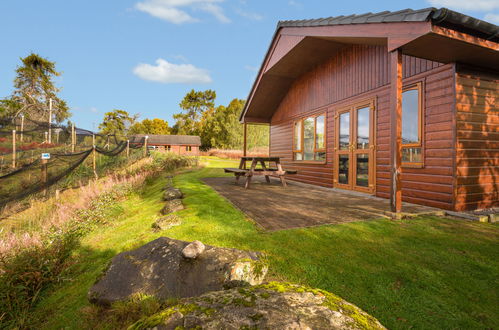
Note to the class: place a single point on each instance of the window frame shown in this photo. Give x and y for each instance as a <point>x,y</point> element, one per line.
<point>420,88</point>
<point>188,148</point>
<point>302,135</point>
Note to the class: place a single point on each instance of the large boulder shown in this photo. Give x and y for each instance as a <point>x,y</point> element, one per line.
<point>267,306</point>
<point>159,269</point>
<point>172,193</point>
<point>167,222</point>
<point>172,206</point>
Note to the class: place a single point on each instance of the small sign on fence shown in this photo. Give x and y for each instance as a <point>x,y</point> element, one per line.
<point>45,155</point>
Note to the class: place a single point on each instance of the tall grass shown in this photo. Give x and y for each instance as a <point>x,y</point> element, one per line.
<point>36,248</point>
<point>236,154</point>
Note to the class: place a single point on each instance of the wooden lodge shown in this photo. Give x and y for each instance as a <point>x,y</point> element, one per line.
<point>179,144</point>
<point>402,105</point>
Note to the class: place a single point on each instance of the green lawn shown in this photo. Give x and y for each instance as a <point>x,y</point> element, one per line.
<point>424,273</point>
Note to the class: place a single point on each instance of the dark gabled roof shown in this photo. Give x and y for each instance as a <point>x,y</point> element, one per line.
<point>442,16</point>
<point>406,15</point>
<point>167,139</point>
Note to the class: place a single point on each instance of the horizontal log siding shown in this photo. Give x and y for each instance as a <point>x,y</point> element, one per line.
<point>477,145</point>
<point>433,184</point>
<point>359,73</point>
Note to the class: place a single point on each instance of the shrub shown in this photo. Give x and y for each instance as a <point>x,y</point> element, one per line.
<point>27,272</point>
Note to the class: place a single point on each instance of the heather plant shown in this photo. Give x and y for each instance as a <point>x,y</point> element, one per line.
<point>26,271</point>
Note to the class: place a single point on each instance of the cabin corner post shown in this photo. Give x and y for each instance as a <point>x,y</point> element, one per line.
<point>245,138</point>
<point>395,130</point>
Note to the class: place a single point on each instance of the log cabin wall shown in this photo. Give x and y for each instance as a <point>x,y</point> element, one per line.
<point>358,73</point>
<point>477,140</point>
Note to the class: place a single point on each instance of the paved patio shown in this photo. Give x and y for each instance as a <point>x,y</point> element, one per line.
<point>274,207</point>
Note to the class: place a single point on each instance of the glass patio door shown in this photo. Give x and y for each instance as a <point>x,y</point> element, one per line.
<point>354,148</point>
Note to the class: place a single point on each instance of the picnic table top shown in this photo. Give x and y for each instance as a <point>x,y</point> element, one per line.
<point>268,159</point>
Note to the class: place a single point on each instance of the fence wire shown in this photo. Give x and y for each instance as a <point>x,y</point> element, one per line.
<point>22,141</point>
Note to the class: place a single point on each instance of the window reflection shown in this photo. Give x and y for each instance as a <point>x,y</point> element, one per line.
<point>363,128</point>
<point>344,130</point>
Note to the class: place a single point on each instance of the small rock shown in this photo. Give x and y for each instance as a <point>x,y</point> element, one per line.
<point>167,222</point>
<point>193,250</point>
<point>172,206</point>
<point>172,193</point>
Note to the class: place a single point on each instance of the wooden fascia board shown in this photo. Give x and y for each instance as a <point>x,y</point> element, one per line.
<point>255,120</point>
<point>265,61</point>
<point>367,30</point>
<point>453,34</point>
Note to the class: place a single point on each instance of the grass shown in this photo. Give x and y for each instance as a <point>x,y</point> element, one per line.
<point>426,272</point>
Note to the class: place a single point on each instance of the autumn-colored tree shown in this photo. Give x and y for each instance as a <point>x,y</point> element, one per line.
<point>150,126</point>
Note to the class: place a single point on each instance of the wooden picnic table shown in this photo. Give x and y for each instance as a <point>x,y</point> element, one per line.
<point>276,171</point>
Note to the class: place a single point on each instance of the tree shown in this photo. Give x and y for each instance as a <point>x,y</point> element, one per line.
<point>221,128</point>
<point>150,126</point>
<point>194,104</point>
<point>117,122</point>
<point>33,87</point>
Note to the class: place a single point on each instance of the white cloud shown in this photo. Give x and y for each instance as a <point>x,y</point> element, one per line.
<point>94,109</point>
<point>170,10</point>
<point>169,73</point>
<point>249,15</point>
<point>215,10</point>
<point>294,3</point>
<point>493,18</point>
<point>476,5</point>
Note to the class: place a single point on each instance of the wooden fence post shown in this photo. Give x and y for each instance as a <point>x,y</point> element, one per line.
<point>73,137</point>
<point>14,148</point>
<point>145,145</point>
<point>44,176</point>
<point>22,127</point>
<point>127,148</point>
<point>50,121</point>
<point>93,154</point>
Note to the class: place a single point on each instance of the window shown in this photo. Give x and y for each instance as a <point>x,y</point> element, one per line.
<point>412,117</point>
<point>168,148</point>
<point>309,141</point>
<point>188,148</point>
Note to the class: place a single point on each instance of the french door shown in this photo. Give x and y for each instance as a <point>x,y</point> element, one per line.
<point>354,148</point>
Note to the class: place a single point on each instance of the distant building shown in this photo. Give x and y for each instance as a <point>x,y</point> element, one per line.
<point>179,144</point>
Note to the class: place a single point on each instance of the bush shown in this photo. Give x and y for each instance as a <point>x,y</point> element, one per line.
<point>169,162</point>
<point>27,272</point>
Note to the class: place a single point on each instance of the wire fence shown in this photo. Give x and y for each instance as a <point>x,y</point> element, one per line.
<point>36,155</point>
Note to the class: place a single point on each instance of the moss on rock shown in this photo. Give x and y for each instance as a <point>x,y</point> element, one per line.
<point>273,304</point>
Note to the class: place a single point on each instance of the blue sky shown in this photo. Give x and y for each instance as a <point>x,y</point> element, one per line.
<point>143,56</point>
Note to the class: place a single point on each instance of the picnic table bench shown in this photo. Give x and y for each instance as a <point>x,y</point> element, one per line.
<point>248,173</point>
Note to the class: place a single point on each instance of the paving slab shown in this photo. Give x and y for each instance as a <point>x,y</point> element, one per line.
<point>274,207</point>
